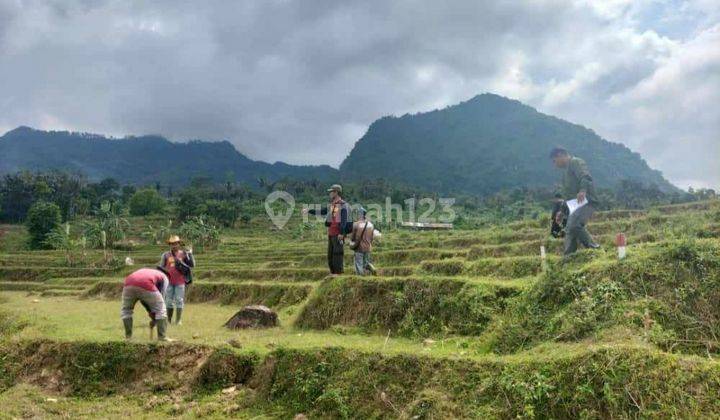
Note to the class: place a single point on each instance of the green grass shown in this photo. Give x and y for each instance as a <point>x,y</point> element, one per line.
<point>70,319</point>
<point>13,238</point>
<point>274,295</point>
<point>464,323</point>
<point>415,307</point>
<point>27,401</point>
<point>618,381</point>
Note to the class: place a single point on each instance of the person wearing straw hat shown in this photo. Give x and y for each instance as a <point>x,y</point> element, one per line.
<point>147,285</point>
<point>178,262</point>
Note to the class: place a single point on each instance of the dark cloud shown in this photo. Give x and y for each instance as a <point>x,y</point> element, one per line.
<point>301,80</point>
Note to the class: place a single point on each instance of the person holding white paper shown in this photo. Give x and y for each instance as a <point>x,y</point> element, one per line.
<point>579,191</point>
<point>574,205</point>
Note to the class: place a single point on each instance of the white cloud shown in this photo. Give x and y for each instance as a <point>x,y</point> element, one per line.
<point>672,111</point>
<point>608,9</point>
<point>300,81</point>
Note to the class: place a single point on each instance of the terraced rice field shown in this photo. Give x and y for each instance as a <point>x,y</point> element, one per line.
<point>465,323</point>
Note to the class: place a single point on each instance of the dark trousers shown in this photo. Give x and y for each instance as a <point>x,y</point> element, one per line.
<point>575,231</point>
<point>335,255</point>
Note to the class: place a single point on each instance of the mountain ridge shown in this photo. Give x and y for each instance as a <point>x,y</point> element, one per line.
<point>480,146</point>
<point>486,144</point>
<point>140,159</point>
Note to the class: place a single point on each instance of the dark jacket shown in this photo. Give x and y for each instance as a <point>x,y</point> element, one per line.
<point>576,178</point>
<point>342,222</point>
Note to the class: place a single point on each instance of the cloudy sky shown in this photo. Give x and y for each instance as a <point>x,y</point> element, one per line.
<point>300,81</point>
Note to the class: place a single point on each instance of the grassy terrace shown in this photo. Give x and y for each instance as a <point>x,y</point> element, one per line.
<point>458,324</point>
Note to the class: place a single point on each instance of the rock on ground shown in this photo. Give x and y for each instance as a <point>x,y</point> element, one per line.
<point>253,316</point>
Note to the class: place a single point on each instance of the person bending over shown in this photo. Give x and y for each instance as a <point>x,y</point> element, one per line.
<point>148,286</point>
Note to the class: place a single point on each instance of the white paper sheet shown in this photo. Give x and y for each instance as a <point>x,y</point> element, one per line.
<point>573,204</point>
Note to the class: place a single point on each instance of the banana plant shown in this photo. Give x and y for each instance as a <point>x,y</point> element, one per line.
<point>156,235</point>
<point>108,227</point>
<point>201,234</point>
<point>73,248</point>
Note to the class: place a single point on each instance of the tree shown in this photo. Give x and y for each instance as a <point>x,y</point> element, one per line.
<point>65,189</point>
<point>147,201</point>
<point>703,193</point>
<point>19,191</point>
<point>634,194</point>
<point>191,202</point>
<point>229,181</point>
<point>18,194</point>
<point>107,228</point>
<point>201,182</point>
<point>224,212</point>
<point>42,218</point>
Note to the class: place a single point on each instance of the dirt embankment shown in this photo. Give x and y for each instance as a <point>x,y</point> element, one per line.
<point>596,382</point>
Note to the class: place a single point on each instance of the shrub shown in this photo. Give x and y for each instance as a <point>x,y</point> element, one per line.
<point>10,324</point>
<point>42,218</point>
<point>145,202</point>
<point>74,249</point>
<point>200,233</point>
<point>224,212</point>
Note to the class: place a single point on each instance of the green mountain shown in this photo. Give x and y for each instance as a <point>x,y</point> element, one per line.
<point>481,146</point>
<point>484,145</point>
<point>141,160</point>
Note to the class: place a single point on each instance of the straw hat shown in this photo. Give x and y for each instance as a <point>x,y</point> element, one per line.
<point>173,239</point>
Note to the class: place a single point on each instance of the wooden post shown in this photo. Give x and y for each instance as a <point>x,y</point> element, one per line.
<point>621,242</point>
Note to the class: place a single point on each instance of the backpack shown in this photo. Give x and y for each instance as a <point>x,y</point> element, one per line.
<point>558,230</point>
<point>184,269</point>
<point>348,228</point>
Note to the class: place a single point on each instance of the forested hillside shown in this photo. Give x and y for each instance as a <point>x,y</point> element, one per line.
<point>140,160</point>
<point>487,144</point>
<point>479,147</point>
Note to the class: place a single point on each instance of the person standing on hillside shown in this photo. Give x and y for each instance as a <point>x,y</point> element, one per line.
<point>148,286</point>
<point>361,240</point>
<point>178,263</point>
<point>336,220</point>
<point>577,183</point>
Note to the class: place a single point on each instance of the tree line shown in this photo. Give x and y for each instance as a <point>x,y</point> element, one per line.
<point>44,200</point>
